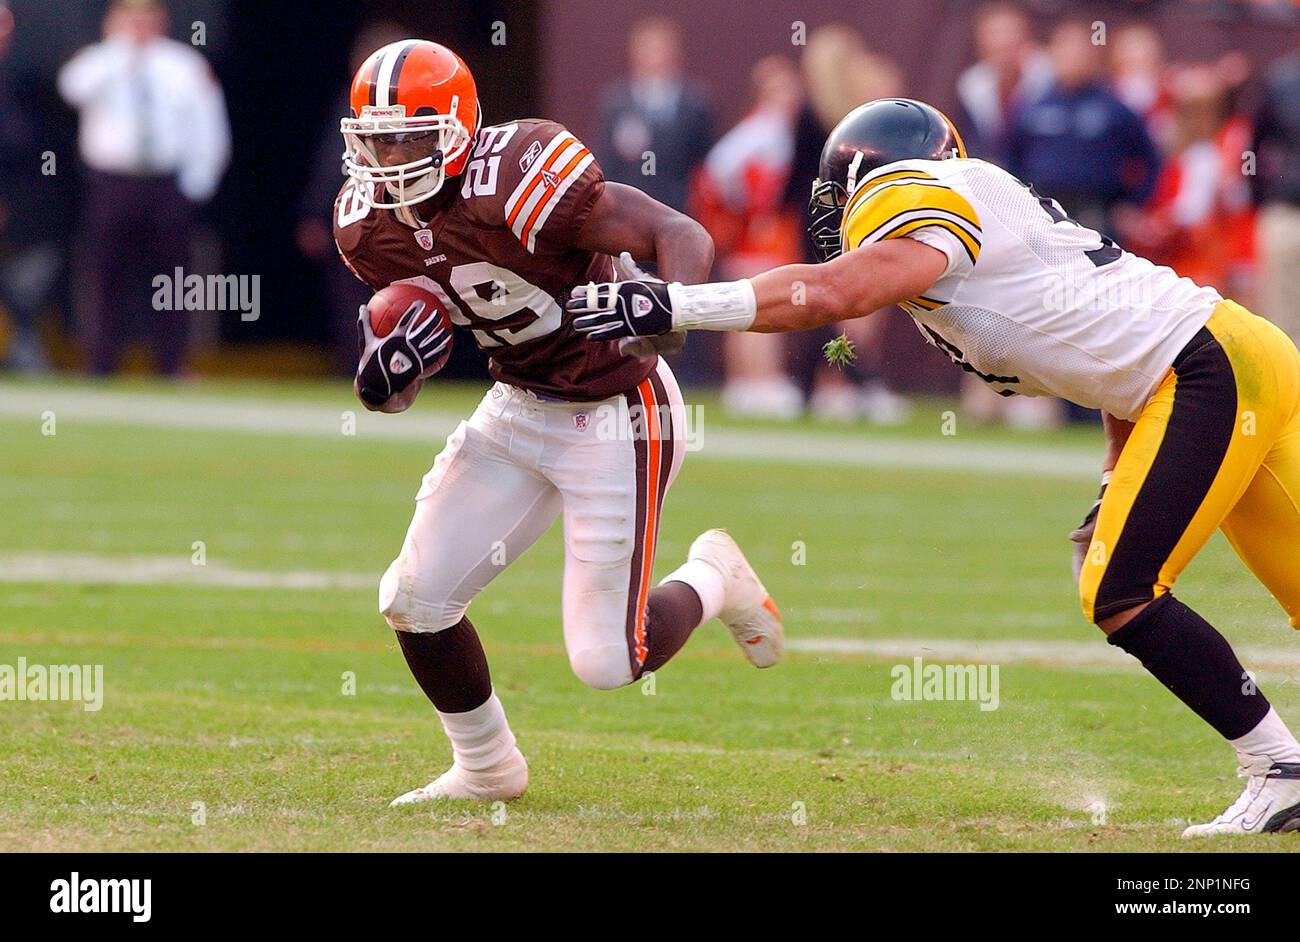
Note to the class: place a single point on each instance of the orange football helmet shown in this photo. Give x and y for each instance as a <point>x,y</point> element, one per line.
<point>414,114</point>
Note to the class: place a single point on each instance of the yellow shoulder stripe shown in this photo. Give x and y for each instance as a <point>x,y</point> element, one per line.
<point>863,192</point>
<point>894,209</point>
<point>969,242</point>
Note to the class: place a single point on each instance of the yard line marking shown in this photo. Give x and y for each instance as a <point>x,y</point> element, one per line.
<point>996,651</point>
<point>1071,654</point>
<point>90,569</point>
<point>774,446</point>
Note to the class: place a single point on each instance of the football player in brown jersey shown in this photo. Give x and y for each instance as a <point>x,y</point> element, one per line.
<point>499,222</point>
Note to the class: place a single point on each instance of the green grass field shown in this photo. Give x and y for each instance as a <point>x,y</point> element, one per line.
<point>224,684</point>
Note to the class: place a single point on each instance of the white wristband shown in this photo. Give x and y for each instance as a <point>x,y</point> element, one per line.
<point>722,305</point>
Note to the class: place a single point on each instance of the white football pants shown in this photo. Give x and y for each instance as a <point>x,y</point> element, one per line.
<point>500,482</point>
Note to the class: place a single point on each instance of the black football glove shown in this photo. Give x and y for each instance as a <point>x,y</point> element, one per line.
<point>614,310</point>
<point>1082,535</point>
<point>388,365</point>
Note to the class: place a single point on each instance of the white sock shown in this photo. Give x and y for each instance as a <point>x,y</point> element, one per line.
<point>1271,741</point>
<point>480,738</point>
<point>707,582</point>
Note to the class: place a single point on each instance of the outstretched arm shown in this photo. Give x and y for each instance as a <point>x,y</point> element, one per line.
<point>626,220</point>
<point>857,283</point>
<point>793,297</point>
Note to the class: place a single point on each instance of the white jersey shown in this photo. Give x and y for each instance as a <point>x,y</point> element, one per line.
<point>1031,301</point>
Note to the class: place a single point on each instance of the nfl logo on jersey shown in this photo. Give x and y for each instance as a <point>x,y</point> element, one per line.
<point>424,238</point>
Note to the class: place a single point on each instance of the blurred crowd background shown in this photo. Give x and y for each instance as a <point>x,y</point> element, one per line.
<point>138,137</point>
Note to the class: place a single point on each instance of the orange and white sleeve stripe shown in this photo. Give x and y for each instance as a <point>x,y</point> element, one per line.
<point>556,169</point>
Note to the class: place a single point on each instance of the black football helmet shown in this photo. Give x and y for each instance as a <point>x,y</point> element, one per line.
<point>870,136</point>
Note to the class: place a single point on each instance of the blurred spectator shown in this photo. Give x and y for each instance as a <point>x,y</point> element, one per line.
<point>655,128</point>
<point>825,65</point>
<point>314,234</point>
<point>155,141</point>
<point>29,259</point>
<point>738,199</point>
<point>1011,71</point>
<point>1277,190</point>
<point>1137,62</point>
<point>839,74</point>
<point>1078,143</point>
<point>1200,219</point>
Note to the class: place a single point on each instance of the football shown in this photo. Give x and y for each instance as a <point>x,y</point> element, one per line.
<point>389,305</point>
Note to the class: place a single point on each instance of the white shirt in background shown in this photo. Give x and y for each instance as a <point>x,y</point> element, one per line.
<point>151,109</point>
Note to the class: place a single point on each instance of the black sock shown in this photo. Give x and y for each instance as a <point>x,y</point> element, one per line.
<point>674,611</point>
<point>449,666</point>
<point>1184,652</point>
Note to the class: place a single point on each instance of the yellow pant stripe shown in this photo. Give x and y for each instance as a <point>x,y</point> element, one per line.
<point>1126,481</point>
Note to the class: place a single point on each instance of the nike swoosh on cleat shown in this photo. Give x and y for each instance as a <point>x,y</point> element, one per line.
<point>1251,825</point>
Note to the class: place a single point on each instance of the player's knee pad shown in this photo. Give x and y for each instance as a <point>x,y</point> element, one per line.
<point>403,606</point>
<point>604,667</point>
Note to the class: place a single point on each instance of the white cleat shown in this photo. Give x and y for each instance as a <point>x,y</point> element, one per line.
<point>747,610</point>
<point>503,782</point>
<point>1270,803</point>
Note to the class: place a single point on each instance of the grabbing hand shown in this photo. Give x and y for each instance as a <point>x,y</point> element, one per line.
<point>614,310</point>
<point>388,365</point>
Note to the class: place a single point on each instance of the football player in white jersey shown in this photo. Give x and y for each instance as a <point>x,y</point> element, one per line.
<point>1200,398</point>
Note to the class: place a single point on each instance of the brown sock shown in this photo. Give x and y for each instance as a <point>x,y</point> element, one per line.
<point>674,611</point>
<point>449,666</point>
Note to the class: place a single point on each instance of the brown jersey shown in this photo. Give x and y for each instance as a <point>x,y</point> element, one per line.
<point>501,256</point>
